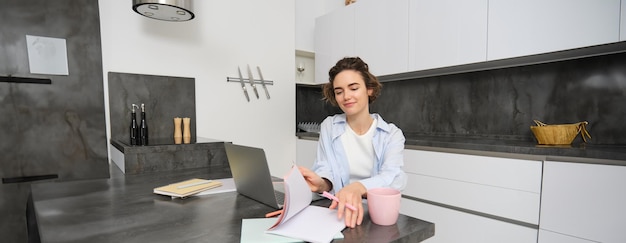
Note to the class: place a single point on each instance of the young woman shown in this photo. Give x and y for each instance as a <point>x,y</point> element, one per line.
<point>357,150</point>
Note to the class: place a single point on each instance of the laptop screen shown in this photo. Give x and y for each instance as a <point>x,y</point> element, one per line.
<point>251,173</point>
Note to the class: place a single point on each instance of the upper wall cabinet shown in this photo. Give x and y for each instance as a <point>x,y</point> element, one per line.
<point>381,35</point>
<point>306,12</point>
<point>446,33</point>
<point>398,36</point>
<point>334,39</point>
<point>520,28</point>
<point>622,25</point>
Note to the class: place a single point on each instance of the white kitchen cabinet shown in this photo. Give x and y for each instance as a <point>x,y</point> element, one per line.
<point>334,39</point>
<point>622,25</point>
<point>520,28</point>
<point>455,226</point>
<point>473,198</point>
<point>446,33</point>
<point>584,201</point>
<point>381,35</point>
<point>508,188</point>
<point>306,12</point>
<point>306,152</point>
<point>552,237</point>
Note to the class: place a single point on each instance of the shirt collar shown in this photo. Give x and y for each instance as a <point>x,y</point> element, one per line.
<point>339,124</point>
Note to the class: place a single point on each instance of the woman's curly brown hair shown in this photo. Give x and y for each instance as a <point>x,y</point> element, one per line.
<point>358,65</point>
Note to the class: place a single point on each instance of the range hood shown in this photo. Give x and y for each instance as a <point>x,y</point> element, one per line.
<point>168,10</point>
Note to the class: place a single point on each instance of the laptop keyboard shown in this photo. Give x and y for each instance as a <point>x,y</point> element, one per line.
<point>280,197</point>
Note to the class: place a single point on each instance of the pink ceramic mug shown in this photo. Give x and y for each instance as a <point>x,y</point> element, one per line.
<point>383,205</point>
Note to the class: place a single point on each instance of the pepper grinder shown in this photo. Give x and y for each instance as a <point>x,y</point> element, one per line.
<point>178,134</point>
<point>186,130</point>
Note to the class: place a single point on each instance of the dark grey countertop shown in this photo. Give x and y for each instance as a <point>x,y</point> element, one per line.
<point>124,209</point>
<point>160,144</point>
<point>577,152</point>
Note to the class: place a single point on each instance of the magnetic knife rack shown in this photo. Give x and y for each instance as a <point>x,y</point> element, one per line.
<point>253,82</point>
<point>256,81</point>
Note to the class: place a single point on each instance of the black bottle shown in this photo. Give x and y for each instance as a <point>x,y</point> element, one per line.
<point>143,128</point>
<point>134,129</point>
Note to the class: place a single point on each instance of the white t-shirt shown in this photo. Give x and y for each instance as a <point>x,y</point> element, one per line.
<point>360,152</point>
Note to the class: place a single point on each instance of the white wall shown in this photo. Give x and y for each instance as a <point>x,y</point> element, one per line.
<point>225,34</point>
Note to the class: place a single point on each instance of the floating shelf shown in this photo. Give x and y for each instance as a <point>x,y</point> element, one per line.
<point>26,80</point>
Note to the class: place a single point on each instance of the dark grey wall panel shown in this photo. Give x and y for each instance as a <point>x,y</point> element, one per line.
<point>502,103</point>
<point>165,98</point>
<point>56,128</point>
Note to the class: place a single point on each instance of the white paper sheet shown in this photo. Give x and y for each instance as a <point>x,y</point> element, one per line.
<point>312,224</point>
<point>253,230</point>
<point>301,220</point>
<point>47,55</point>
<point>297,195</point>
<point>228,185</point>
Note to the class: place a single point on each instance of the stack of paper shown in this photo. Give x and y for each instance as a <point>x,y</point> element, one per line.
<point>253,230</point>
<point>187,188</point>
<point>299,220</point>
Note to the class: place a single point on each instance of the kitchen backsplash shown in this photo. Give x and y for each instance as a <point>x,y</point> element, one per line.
<point>500,103</point>
<point>164,98</point>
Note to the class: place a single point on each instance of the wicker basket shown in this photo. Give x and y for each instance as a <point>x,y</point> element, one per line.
<point>559,134</point>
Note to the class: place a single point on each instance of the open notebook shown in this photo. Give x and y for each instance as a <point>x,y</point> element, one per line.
<point>303,221</point>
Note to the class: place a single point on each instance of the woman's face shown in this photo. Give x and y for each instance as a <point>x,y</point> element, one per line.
<point>351,93</point>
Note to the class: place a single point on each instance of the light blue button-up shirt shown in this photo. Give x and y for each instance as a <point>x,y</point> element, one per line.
<point>332,163</point>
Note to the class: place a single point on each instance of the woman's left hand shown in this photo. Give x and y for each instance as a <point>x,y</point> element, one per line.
<point>351,194</point>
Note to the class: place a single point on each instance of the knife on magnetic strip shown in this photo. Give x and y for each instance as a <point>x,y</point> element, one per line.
<point>252,82</point>
<point>263,82</point>
<point>243,86</point>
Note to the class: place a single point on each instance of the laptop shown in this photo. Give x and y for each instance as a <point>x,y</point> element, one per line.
<point>252,177</point>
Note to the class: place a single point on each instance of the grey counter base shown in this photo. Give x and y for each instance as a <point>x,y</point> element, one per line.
<point>168,157</point>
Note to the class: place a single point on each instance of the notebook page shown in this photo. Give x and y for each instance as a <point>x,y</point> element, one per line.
<point>312,224</point>
<point>297,195</point>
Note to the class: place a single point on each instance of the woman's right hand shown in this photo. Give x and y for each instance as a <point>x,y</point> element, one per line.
<point>316,183</point>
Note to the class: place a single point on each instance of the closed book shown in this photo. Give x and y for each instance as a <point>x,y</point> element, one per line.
<point>187,188</point>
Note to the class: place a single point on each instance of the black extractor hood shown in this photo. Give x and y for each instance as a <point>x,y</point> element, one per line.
<point>168,10</point>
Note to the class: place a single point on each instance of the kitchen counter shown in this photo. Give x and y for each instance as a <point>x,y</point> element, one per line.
<point>124,209</point>
<point>510,148</point>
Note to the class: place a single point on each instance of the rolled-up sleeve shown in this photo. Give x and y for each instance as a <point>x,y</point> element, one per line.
<point>322,166</point>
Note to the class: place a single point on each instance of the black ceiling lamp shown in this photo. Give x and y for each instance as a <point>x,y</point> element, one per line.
<point>168,10</point>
